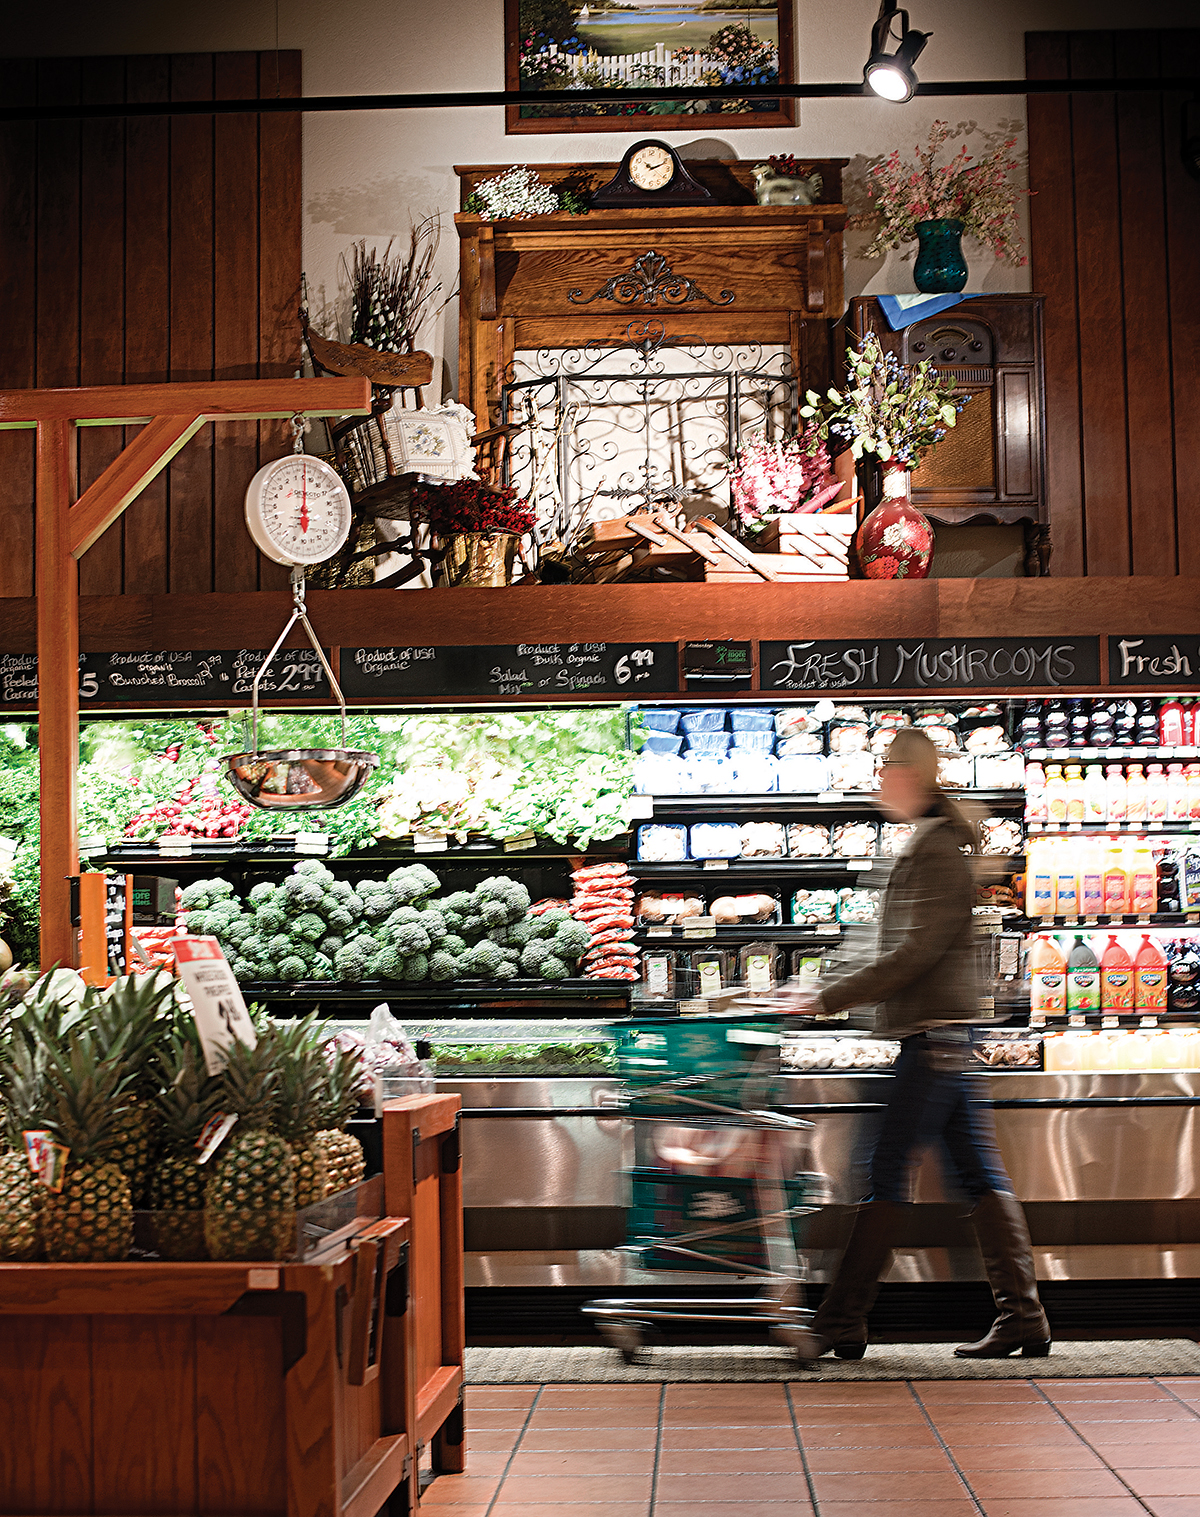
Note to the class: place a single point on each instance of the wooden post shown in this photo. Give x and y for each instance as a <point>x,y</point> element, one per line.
<point>57,583</point>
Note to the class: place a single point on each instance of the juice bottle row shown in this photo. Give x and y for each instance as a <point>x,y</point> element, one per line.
<point>1080,723</point>
<point>1121,1052</point>
<point>1064,793</point>
<point>1110,876</point>
<point>1113,973</point>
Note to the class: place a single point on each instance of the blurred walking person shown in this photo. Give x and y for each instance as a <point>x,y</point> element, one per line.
<point>923,983</point>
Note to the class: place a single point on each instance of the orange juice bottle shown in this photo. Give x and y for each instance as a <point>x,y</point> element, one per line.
<point>1092,856</point>
<point>1135,794</point>
<point>1047,976</point>
<point>1076,800</point>
<point>1116,978</point>
<point>1039,879</point>
<point>1066,879</point>
<point>1150,977</point>
<point>1056,795</point>
<point>1143,879</point>
<point>1116,882</point>
<point>1115,787</point>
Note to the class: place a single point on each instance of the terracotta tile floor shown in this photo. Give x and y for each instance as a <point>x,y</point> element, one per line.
<point>928,1448</point>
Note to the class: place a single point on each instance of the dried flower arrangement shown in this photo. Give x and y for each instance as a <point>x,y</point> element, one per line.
<point>391,296</point>
<point>980,194</point>
<point>891,410</point>
<point>769,479</point>
<point>518,193</point>
<point>470,505</point>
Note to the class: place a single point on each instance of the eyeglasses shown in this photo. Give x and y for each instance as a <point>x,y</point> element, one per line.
<point>895,764</point>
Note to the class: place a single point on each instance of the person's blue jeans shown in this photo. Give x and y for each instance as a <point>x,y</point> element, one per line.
<point>932,1100</point>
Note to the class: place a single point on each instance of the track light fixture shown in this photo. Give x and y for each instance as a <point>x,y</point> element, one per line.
<point>891,75</point>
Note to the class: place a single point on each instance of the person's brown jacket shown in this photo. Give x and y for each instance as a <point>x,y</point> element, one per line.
<point>924,973</point>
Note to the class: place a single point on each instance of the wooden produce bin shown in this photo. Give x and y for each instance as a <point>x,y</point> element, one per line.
<point>171,1389</point>
<point>422,1172</point>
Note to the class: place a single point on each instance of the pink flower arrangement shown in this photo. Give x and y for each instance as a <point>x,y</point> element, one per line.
<point>768,478</point>
<point>979,194</point>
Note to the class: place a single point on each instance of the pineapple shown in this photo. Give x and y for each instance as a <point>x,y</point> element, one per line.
<point>187,1099</point>
<point>137,1003</point>
<point>300,1105</point>
<point>22,1088</point>
<point>91,1218</point>
<point>250,1195</point>
<point>344,1156</point>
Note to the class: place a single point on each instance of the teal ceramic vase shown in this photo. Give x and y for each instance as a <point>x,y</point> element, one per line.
<point>941,268</point>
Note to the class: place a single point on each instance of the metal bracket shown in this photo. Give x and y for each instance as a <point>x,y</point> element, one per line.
<point>416,1142</point>
<point>452,1149</point>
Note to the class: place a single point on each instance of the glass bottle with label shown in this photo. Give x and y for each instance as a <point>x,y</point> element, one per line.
<point>1075,796</point>
<point>1124,724</point>
<point>1056,794</point>
<point>1095,794</point>
<point>1135,793</point>
<point>1156,793</point>
<point>1078,722</point>
<point>1170,723</point>
<point>1114,785</point>
<point>1177,793</point>
<point>1055,725</point>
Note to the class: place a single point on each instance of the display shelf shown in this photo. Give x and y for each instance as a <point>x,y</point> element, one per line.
<point>205,851</point>
<point>1132,755</point>
<point>778,869</point>
<point>1186,829</point>
<point>796,802</point>
<point>1127,922</point>
<point>457,993</point>
<point>782,932</point>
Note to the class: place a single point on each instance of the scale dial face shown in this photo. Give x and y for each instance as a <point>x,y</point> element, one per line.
<point>298,510</point>
<point>652,167</point>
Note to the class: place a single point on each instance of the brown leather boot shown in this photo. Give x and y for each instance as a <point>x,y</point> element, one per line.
<point>1000,1226</point>
<point>840,1323</point>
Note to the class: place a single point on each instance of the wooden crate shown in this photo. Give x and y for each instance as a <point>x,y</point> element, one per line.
<point>210,1388</point>
<point>821,542</point>
<point>422,1170</point>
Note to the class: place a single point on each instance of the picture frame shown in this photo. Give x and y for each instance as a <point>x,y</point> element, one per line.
<point>619,43</point>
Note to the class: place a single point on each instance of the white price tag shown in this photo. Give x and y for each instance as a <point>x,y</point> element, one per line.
<point>1070,921</point>
<point>829,929</point>
<point>1143,919</point>
<point>859,863</point>
<point>1108,1023</point>
<point>1091,921</point>
<point>217,1005</point>
<point>522,844</point>
<point>716,863</point>
<point>1037,1019</point>
<point>1193,918</point>
<point>830,798</point>
<point>695,1008</point>
<point>640,807</point>
<point>659,932</point>
<point>1148,1022</point>
<point>312,843</point>
<point>1077,1019</point>
<point>175,848</point>
<point>1155,826</point>
<point>1074,826</point>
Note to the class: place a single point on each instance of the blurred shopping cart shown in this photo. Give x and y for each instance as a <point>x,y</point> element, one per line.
<point>719,1181</point>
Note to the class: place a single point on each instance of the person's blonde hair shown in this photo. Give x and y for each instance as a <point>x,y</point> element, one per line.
<point>912,748</point>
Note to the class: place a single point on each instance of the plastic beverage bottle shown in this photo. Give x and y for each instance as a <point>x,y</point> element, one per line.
<point>1047,976</point>
<point>1116,882</point>
<point>1092,857</point>
<point>1078,722</point>
<point>1177,794</point>
<point>1035,793</point>
<point>1156,793</point>
<point>1083,977</point>
<point>1075,796</point>
<point>1150,977</point>
<point>1193,791</point>
<point>1146,723</point>
<point>1066,879</point>
<point>1170,723</point>
<point>1135,794</point>
<point>1115,787</point>
<point>1189,723</point>
<point>1039,879</point>
<point>1095,794</point>
<point>1055,726</point>
<point>1124,724</point>
<point>1143,879</point>
<point>1056,794</point>
<point>1116,978</point>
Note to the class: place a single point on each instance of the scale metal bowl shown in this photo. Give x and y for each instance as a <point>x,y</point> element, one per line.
<point>299,779</point>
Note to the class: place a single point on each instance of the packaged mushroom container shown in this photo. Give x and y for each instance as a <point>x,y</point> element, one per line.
<point>1000,771</point>
<point>763,840</point>
<point>893,836</point>
<point>857,908</point>
<point>807,840</point>
<point>715,840</point>
<point>800,743</point>
<point>810,907</point>
<point>956,771</point>
<point>662,843</point>
<point>757,910</point>
<point>803,774</point>
<point>762,965</point>
<point>657,909</point>
<point>852,771</point>
<point>834,1054</point>
<point>794,720</point>
<point>848,736</point>
<point>855,840</point>
<point>1022,1051</point>
<point>1000,834</point>
<point>989,739</point>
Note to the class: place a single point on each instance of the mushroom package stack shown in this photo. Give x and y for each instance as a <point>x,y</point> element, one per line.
<point>603,900</point>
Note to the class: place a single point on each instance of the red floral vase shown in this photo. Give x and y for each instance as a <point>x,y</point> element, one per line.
<point>895,541</point>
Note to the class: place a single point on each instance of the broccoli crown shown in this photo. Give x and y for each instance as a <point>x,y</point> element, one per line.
<point>225,908</point>
<point>459,901</point>
<point>351,960</point>
<point>302,949</point>
<point>239,929</point>
<point>416,967</point>
<point>510,955</point>
<point>387,964</point>
<point>453,921</point>
<point>342,889</point>
<point>308,925</point>
<point>380,905</point>
<point>521,932</point>
<point>413,882</point>
<point>472,926</point>
<point>409,938</point>
<point>533,955</point>
<point>553,968</point>
<point>303,894</point>
<point>571,940</point>
<point>329,904</point>
<point>315,868</point>
<point>279,946</point>
<point>453,945</point>
<point>505,970</point>
<point>550,921</point>
<point>197,921</point>
<point>339,919</point>
<point>443,966</point>
<point>269,919</point>
<point>261,893</point>
<point>506,892</point>
<point>292,968</point>
<point>403,914</point>
<point>330,945</point>
<point>484,960</point>
<point>494,913</point>
<point>434,925</point>
<point>243,969</point>
<point>198,896</point>
<point>220,889</point>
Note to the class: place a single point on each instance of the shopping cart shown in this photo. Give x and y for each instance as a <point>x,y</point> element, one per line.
<point>715,1184</point>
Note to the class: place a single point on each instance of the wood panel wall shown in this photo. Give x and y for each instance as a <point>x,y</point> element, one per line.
<point>148,249</point>
<point>1115,248</point>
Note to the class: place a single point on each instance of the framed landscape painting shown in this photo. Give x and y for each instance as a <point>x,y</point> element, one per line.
<point>623,44</point>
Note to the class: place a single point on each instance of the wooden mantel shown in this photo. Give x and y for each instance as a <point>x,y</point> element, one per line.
<point>731,272</point>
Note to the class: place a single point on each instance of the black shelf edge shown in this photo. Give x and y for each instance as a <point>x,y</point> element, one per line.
<point>786,932</point>
<point>455,993</point>
<point>807,868</point>
<point>1086,924</point>
<point>666,806</point>
<point>1188,829</point>
<point>257,853</point>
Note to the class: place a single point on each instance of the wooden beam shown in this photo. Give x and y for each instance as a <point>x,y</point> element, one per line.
<point>127,476</point>
<point>215,400</point>
<point>57,581</point>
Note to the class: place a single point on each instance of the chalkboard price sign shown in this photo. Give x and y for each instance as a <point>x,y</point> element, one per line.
<point>934,663</point>
<point>1173,662</point>
<point>521,669</point>
<point>212,677</point>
